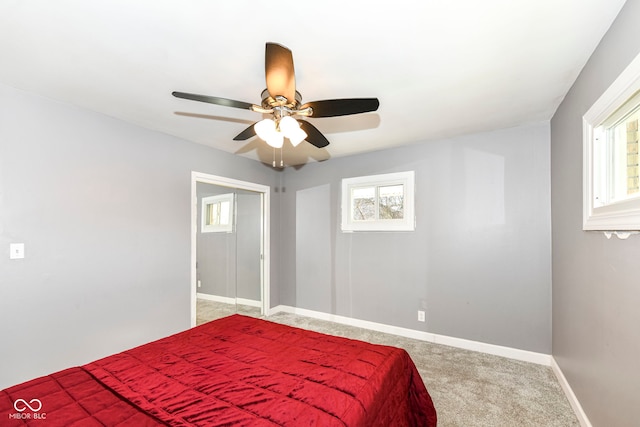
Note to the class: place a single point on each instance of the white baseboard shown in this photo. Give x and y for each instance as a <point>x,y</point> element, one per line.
<point>229,300</point>
<point>568,391</point>
<point>216,298</point>
<point>497,350</point>
<point>249,302</point>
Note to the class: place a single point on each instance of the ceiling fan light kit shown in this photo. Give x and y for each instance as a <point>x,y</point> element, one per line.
<point>291,129</point>
<point>283,102</point>
<point>267,131</point>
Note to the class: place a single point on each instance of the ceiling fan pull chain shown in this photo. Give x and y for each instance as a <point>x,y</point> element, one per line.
<point>281,161</point>
<point>274,158</point>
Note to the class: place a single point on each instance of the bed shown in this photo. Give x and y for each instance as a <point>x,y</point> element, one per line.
<point>235,371</point>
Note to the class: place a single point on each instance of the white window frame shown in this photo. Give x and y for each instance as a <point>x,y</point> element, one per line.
<point>217,228</point>
<point>623,215</point>
<point>407,223</point>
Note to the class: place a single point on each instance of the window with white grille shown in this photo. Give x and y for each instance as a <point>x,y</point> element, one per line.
<point>378,202</point>
<point>217,214</point>
<point>611,181</point>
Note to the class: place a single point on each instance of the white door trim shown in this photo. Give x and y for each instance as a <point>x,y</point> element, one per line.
<point>265,265</point>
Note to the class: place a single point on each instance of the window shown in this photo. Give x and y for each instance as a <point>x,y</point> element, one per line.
<point>611,190</point>
<point>378,202</point>
<point>217,214</point>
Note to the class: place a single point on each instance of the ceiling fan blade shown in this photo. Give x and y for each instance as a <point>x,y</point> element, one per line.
<point>279,72</point>
<point>314,136</point>
<point>342,107</point>
<point>213,100</point>
<point>246,134</point>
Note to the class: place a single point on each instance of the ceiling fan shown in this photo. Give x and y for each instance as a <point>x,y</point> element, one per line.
<point>284,103</point>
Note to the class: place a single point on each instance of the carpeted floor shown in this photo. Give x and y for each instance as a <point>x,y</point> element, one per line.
<point>468,388</point>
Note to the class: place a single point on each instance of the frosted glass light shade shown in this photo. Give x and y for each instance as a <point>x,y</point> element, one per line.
<point>288,124</point>
<point>291,129</point>
<point>297,136</point>
<point>265,129</point>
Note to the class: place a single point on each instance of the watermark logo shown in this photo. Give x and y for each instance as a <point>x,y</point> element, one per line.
<point>21,405</point>
<point>34,406</point>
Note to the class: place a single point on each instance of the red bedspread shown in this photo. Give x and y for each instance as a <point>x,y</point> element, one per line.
<point>69,398</point>
<point>241,371</point>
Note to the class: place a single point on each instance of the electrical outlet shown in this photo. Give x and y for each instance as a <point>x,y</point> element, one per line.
<point>420,316</point>
<point>199,284</point>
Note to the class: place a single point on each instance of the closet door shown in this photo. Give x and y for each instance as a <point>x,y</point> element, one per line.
<point>228,252</point>
<point>248,251</point>
<point>216,251</point>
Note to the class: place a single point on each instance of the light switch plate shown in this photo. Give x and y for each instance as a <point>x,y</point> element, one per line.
<point>16,250</point>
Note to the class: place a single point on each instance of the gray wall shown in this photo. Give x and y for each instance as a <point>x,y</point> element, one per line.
<point>596,282</point>
<point>103,208</point>
<point>229,263</point>
<point>478,263</point>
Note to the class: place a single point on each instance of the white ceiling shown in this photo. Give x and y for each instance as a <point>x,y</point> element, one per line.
<point>439,68</point>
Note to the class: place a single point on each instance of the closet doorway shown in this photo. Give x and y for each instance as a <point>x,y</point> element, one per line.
<point>229,247</point>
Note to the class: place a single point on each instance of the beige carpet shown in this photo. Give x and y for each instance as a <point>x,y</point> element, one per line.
<point>468,388</point>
